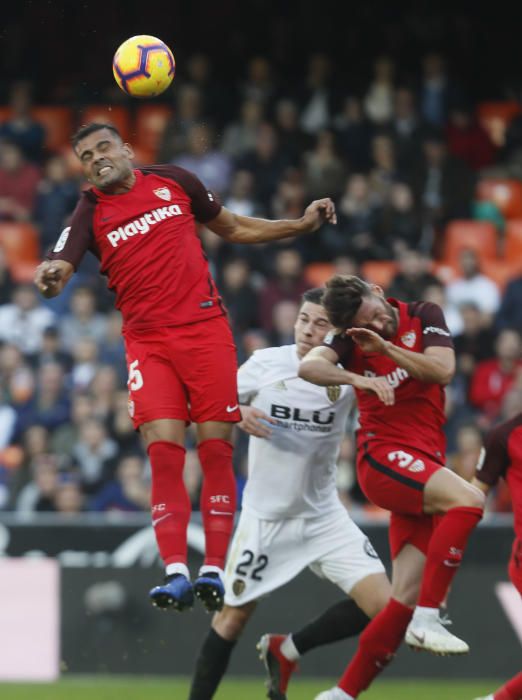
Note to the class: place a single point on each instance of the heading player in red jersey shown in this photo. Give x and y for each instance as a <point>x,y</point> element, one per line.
<point>398,357</point>
<point>141,224</point>
<point>502,457</point>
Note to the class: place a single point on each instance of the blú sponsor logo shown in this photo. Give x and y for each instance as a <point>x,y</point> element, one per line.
<point>143,224</point>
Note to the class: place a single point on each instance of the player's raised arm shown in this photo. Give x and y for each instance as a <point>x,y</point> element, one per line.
<point>319,366</point>
<point>246,229</point>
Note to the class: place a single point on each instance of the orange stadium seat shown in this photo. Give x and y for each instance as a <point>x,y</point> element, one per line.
<point>318,273</point>
<point>379,272</point>
<point>513,241</point>
<point>496,116</point>
<point>117,116</point>
<point>501,271</point>
<point>150,124</point>
<point>20,243</point>
<point>23,271</point>
<point>57,122</point>
<point>480,236</point>
<point>505,193</point>
<point>5,113</point>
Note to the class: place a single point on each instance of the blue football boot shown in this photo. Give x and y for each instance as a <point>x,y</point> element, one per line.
<point>175,594</point>
<point>210,590</point>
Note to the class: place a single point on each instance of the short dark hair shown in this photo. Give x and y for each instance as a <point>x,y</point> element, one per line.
<point>343,297</point>
<point>314,295</point>
<point>88,129</point>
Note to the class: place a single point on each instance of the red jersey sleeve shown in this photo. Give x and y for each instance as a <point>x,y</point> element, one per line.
<point>204,203</point>
<point>494,459</point>
<point>342,345</point>
<point>78,238</point>
<point>435,332</point>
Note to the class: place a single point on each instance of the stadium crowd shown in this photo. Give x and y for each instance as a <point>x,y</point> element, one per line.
<point>402,159</point>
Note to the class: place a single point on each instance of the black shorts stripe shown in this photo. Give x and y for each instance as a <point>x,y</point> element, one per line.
<point>402,478</point>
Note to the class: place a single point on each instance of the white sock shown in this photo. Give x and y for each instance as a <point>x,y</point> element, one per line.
<point>343,695</point>
<point>207,569</point>
<point>177,568</point>
<point>422,614</point>
<point>289,649</point>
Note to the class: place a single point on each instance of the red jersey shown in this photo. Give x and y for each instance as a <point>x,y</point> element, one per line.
<point>147,244</point>
<point>502,457</point>
<point>417,417</point>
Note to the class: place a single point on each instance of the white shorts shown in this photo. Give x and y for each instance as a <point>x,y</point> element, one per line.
<point>266,554</point>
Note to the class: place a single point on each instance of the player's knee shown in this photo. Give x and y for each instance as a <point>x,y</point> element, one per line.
<point>230,622</point>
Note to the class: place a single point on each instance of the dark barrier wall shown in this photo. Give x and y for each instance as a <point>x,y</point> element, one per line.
<point>108,625</point>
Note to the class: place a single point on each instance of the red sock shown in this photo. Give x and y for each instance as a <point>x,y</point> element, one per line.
<point>377,646</point>
<point>218,498</point>
<point>512,690</point>
<point>444,554</point>
<point>170,501</point>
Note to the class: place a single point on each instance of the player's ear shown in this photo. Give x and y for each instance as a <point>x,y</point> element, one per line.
<point>377,290</point>
<point>127,149</point>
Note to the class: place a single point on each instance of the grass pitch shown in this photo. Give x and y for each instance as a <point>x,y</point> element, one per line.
<point>154,688</point>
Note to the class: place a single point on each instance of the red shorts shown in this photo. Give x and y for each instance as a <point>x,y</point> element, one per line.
<point>515,565</point>
<point>186,373</point>
<point>393,477</point>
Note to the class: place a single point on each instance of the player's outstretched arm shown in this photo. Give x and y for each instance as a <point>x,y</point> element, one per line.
<point>246,229</point>
<point>319,366</point>
<point>51,276</point>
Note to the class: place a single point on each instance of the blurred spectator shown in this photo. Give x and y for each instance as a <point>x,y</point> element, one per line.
<point>111,349</point>
<point>493,378</point>
<point>509,315</point>
<point>85,363</point>
<point>398,225</point>
<point>239,294</point>
<point>21,129</point>
<point>406,129</point>
<point>199,75</point>
<point>51,350</point>
<point>188,113</point>
<point>466,456</point>
<point>120,425</point>
<point>241,198</point>
<point>67,435</point>
<point>357,213</point>
<point>286,284</point>
<point>436,91</point>
<point>266,164</point>
<point>7,284</point>
<point>473,286</point>
<point>94,452</point>
<point>436,294</point>
<point>69,499</point>
<point>240,137</point>
<point>292,139</point>
<point>37,495</point>
<point>467,139</point>
<point>324,169</point>
<point>16,377</point>
<point>50,405</point>
<point>23,321</point>
<point>354,135</point>
<point>378,100</point>
<point>18,184</point>
<point>413,276</point>
<point>284,313</point>
<point>7,421</point>
<point>127,491</point>
<point>56,198</point>
<point>316,99</point>
<point>82,321</point>
<point>443,186</point>
<point>259,84</point>
<point>384,171</point>
<point>211,166</point>
<point>475,342</point>
<point>102,389</point>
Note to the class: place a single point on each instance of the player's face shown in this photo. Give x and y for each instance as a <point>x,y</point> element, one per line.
<point>376,314</point>
<point>311,327</point>
<point>105,159</point>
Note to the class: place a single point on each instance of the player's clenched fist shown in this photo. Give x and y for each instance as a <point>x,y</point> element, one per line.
<point>319,212</point>
<point>51,276</point>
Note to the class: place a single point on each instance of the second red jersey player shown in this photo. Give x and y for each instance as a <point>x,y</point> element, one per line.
<point>399,357</point>
<point>142,226</point>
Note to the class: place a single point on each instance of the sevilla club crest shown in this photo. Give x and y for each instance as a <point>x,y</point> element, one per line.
<point>163,193</point>
<point>409,339</point>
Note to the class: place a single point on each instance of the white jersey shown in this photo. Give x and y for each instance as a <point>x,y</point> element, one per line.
<point>292,473</point>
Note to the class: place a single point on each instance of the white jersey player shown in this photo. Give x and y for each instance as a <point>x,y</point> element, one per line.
<point>292,517</point>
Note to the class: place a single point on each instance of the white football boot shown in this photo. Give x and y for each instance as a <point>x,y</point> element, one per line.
<point>333,694</point>
<point>427,633</point>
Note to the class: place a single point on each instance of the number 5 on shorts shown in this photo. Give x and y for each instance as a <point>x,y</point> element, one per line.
<point>135,380</point>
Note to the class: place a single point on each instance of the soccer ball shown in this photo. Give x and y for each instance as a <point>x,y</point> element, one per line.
<point>143,66</point>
